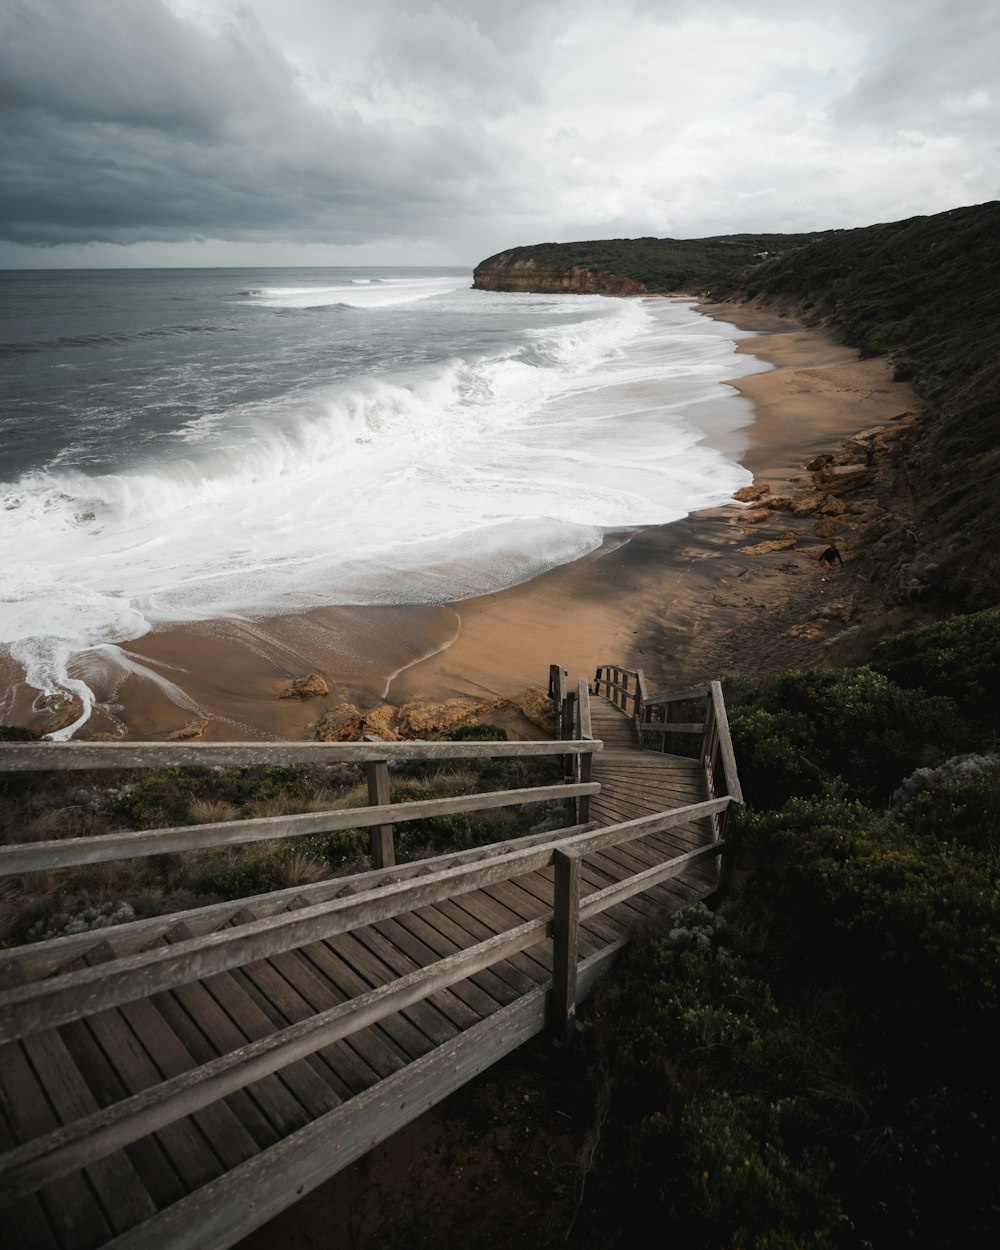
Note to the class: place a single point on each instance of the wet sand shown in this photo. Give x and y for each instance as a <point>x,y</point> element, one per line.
<point>680,601</point>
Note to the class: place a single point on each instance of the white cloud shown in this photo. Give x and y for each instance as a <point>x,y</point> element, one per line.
<point>454,129</point>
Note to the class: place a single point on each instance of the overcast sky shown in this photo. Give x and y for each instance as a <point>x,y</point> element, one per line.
<point>214,132</point>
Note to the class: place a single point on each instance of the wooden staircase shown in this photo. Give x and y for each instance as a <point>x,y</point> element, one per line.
<point>176,1082</point>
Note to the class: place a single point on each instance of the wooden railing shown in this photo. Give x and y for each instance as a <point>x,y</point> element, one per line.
<point>631,698</point>
<point>379,815</point>
<point>68,996</point>
<point>124,964</point>
<point>659,718</point>
<point>572,718</point>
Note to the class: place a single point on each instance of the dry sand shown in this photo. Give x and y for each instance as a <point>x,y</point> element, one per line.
<point>680,601</point>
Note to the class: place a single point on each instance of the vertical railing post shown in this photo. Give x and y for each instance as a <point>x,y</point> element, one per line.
<point>584,732</point>
<point>727,859</point>
<point>557,692</point>
<point>383,847</point>
<point>565,940</point>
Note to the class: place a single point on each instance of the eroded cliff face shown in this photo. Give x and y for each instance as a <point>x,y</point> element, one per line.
<point>504,273</point>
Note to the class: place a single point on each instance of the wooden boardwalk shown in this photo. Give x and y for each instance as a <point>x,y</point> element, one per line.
<point>205,1172</point>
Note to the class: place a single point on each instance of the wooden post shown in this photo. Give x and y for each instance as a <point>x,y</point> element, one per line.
<point>584,731</point>
<point>565,940</point>
<point>383,845</point>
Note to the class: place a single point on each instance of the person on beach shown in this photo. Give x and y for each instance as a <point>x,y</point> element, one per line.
<point>829,560</point>
<point>870,452</point>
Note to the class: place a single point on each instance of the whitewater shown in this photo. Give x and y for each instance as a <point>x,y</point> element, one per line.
<point>189,445</point>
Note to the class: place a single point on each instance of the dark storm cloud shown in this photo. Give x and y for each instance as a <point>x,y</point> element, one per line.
<point>122,122</point>
<point>469,125</point>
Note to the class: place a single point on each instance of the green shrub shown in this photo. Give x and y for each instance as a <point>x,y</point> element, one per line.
<point>959,658</point>
<point>707,1137</point>
<point>807,731</point>
<point>469,732</point>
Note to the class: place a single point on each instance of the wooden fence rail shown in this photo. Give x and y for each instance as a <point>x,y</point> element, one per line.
<point>30,1008</point>
<point>74,978</point>
<point>379,815</point>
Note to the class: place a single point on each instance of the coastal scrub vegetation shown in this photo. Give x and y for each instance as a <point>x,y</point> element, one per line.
<point>660,265</point>
<point>804,1065</point>
<point>924,292</point>
<point>46,806</point>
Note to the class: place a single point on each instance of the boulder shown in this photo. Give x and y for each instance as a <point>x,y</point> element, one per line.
<point>537,707</point>
<point>784,543</point>
<point>377,723</point>
<point>424,720</point>
<point>806,503</point>
<point>838,479</point>
<point>343,723</point>
<point>750,494</point>
<point>829,527</point>
<point>754,516</point>
<point>307,687</point>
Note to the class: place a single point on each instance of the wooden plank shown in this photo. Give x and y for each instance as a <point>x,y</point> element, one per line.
<point>24,1221</point>
<point>360,1058</point>
<point>60,756</point>
<point>62,1151</point>
<point>297,993</point>
<point>151,1162</point>
<point>71,1206</point>
<point>408,1033</point>
<point>161,1054</point>
<point>402,952</point>
<point>726,744</point>
<point>506,980</point>
<point>520,971</point>
<point>184,1144</point>
<point>42,959</point>
<point>445,938</point>
<point>223,1213</point>
<point>66,852</point>
<point>481,908</point>
<point>65,997</point>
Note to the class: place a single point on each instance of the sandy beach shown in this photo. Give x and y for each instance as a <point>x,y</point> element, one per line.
<point>684,602</point>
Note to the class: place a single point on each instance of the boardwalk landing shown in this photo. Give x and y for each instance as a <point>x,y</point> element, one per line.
<point>208,1177</point>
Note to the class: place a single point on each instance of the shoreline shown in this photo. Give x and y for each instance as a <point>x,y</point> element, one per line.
<point>682,600</point>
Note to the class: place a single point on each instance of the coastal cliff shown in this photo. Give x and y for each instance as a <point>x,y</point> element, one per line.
<point>510,272</point>
<point>630,266</point>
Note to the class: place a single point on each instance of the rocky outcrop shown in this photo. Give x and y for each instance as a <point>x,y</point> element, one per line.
<point>509,273</point>
<point>820,494</point>
<point>308,687</point>
<point>424,720</point>
<point>536,706</point>
<point>193,729</point>
<point>343,723</point>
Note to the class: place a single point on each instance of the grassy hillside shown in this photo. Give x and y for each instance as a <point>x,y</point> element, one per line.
<point>661,265</point>
<point>925,292</point>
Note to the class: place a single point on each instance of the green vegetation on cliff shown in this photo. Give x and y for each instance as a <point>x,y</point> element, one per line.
<point>925,292</point>
<point>804,1066</point>
<point>659,265</point>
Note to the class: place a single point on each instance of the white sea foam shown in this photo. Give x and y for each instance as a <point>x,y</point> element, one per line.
<point>357,292</point>
<point>458,479</point>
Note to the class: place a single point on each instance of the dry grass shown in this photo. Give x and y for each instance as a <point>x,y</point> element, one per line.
<point>212,811</point>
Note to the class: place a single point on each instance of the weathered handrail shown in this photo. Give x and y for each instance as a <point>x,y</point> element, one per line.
<point>379,815</point>
<point>660,715</point>
<point>617,690</point>
<point>60,999</point>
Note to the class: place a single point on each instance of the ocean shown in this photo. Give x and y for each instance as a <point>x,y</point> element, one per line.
<point>179,445</point>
